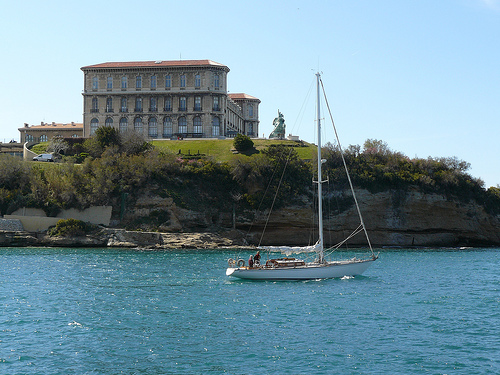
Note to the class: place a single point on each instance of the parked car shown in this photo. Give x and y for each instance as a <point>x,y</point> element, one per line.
<point>44,157</point>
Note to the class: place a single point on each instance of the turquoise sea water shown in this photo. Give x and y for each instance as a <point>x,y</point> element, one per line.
<point>101,311</point>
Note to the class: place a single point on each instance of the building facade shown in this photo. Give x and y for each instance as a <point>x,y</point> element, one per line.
<point>46,131</point>
<point>166,99</point>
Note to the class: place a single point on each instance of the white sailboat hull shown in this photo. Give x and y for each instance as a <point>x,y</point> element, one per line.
<point>310,271</point>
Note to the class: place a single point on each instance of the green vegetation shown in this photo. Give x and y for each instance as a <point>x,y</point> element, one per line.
<point>242,142</point>
<point>210,176</point>
<point>71,227</point>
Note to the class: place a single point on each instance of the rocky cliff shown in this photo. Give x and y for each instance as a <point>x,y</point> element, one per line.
<point>393,218</point>
<point>396,218</point>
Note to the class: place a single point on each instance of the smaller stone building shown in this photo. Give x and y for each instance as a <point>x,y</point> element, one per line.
<point>46,131</point>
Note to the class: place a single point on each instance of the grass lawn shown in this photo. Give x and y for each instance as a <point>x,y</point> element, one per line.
<point>222,149</point>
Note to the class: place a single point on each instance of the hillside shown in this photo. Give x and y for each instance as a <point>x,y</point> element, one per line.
<point>205,186</point>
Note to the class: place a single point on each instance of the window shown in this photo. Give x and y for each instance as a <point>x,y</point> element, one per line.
<point>250,111</point>
<point>95,105</point>
<point>153,107</point>
<point>153,128</point>
<point>182,103</point>
<point>43,138</point>
<point>183,80</point>
<point>197,80</point>
<point>216,106</point>
<point>138,125</point>
<point>138,82</point>
<point>123,125</point>
<point>109,83</point>
<point>95,83</point>
<point>153,82</point>
<point>216,81</point>
<point>109,122</point>
<point>109,105</point>
<point>167,127</point>
<point>94,124</point>
<point>182,125</point>
<point>138,104</point>
<point>29,138</point>
<point>197,126</point>
<point>197,103</point>
<point>215,127</point>
<point>168,104</point>
<point>250,129</point>
<point>168,81</point>
<point>123,105</point>
<point>74,136</point>
<point>124,83</point>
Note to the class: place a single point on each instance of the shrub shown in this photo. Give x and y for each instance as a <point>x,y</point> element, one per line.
<point>71,227</point>
<point>242,142</point>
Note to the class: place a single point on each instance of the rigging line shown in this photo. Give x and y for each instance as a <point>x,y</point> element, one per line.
<point>275,195</point>
<point>347,171</point>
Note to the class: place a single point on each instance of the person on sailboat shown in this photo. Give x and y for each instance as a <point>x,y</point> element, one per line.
<point>256,259</point>
<point>250,262</point>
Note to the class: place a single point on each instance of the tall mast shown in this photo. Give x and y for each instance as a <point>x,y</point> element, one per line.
<point>320,181</point>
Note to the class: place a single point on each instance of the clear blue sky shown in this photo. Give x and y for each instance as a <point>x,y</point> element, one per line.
<point>423,76</point>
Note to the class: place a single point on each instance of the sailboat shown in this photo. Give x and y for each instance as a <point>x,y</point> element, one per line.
<point>296,269</point>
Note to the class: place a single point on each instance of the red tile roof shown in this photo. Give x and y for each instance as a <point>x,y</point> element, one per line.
<point>242,96</point>
<point>154,64</point>
<point>75,126</point>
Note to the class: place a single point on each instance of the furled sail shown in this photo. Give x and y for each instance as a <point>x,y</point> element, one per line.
<point>289,250</point>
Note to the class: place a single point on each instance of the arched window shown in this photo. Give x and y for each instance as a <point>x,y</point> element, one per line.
<point>108,122</point>
<point>43,138</point>
<point>138,82</point>
<point>153,128</point>
<point>138,125</point>
<point>153,82</point>
<point>183,128</point>
<point>168,81</point>
<point>183,80</point>
<point>95,83</point>
<point>215,127</point>
<point>123,125</point>
<point>124,82</point>
<point>167,127</point>
<point>94,124</point>
<point>197,80</point>
<point>216,81</point>
<point>109,84</point>
<point>197,126</point>
<point>250,111</point>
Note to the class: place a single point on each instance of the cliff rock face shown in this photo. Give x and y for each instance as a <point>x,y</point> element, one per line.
<point>393,218</point>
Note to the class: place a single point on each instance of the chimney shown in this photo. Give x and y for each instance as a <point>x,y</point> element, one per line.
<point>53,123</point>
<point>26,125</point>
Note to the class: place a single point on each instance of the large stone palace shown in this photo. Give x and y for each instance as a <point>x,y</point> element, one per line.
<point>166,99</point>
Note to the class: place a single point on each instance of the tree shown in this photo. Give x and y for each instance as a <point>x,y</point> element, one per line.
<point>242,142</point>
<point>107,136</point>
